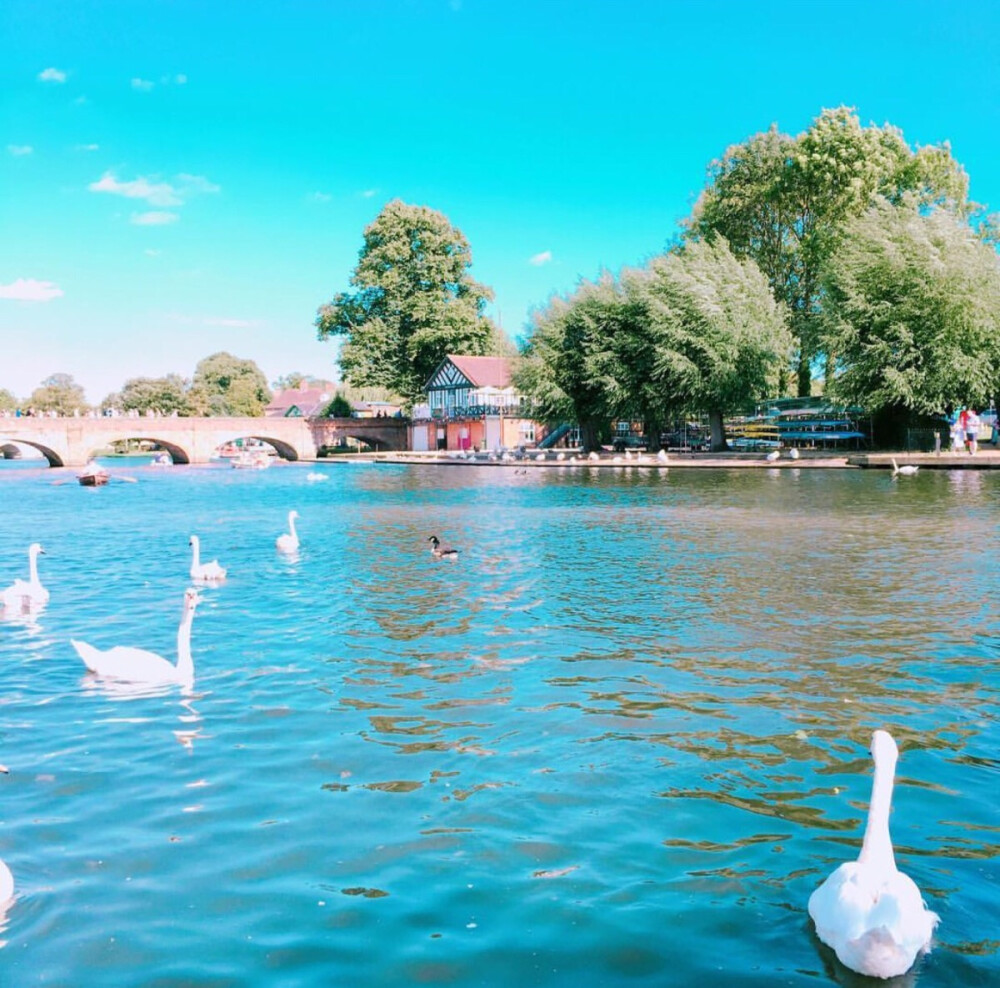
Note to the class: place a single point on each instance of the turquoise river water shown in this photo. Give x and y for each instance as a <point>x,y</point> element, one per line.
<point>617,743</point>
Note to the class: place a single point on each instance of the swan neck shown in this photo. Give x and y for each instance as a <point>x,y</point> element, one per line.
<point>291,526</point>
<point>185,664</point>
<point>33,567</point>
<point>877,846</point>
<point>197,554</point>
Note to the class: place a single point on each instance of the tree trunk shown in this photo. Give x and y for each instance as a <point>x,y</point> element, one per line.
<point>718,431</point>
<point>589,435</point>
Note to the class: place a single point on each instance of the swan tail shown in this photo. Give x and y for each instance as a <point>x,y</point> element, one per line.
<point>91,656</point>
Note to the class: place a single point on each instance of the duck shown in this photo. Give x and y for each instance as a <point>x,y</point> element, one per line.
<point>204,571</point>
<point>906,470</point>
<point>442,551</point>
<point>136,665</point>
<point>6,878</point>
<point>25,595</point>
<point>869,912</point>
<point>289,542</point>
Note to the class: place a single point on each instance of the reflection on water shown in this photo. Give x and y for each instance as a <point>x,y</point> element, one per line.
<point>618,741</point>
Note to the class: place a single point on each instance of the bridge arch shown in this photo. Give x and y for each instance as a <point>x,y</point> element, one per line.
<point>177,453</point>
<point>55,460</point>
<point>282,447</point>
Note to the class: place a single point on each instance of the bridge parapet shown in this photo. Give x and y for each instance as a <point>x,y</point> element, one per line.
<point>71,441</point>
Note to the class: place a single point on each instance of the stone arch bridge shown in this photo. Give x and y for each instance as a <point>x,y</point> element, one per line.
<point>69,442</point>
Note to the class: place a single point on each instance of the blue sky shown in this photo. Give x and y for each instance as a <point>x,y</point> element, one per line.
<point>178,178</point>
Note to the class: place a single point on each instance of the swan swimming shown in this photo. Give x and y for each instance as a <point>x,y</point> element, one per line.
<point>289,542</point>
<point>6,878</point>
<point>907,469</point>
<point>442,551</point>
<point>868,911</point>
<point>24,595</point>
<point>136,665</point>
<point>204,571</point>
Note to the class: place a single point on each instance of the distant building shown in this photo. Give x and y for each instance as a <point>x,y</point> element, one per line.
<point>472,404</point>
<point>303,402</point>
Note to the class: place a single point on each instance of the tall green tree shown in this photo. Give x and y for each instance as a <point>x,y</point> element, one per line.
<point>568,363</point>
<point>783,201</point>
<point>717,338</point>
<point>8,403</point>
<point>913,311</point>
<point>414,302</point>
<point>228,385</point>
<point>59,393</point>
<point>163,395</point>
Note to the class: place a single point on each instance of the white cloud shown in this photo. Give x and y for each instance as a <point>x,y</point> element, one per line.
<point>154,218</point>
<point>155,193</point>
<point>52,75</point>
<point>88,147</point>
<point>321,197</point>
<point>539,259</point>
<point>30,290</point>
<point>368,193</point>
<point>196,183</point>
<point>142,85</point>
<point>19,150</point>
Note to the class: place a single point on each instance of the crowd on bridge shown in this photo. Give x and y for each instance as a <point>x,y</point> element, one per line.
<point>93,413</point>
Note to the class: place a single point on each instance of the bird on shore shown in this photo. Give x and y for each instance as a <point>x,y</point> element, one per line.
<point>137,665</point>
<point>23,596</point>
<point>442,551</point>
<point>209,572</point>
<point>6,878</point>
<point>793,453</point>
<point>773,456</point>
<point>868,911</point>
<point>906,470</point>
<point>662,456</point>
<point>289,542</point>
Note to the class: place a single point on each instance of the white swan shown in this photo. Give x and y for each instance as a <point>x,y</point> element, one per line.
<point>6,878</point>
<point>289,542</point>
<point>25,595</point>
<point>662,456</point>
<point>907,469</point>
<point>773,456</point>
<point>869,912</point>
<point>136,665</point>
<point>204,571</point>
<point>793,453</point>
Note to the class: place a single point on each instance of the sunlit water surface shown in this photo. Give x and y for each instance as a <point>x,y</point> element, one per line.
<point>618,742</point>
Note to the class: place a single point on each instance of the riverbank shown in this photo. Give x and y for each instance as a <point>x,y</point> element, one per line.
<point>985,459</point>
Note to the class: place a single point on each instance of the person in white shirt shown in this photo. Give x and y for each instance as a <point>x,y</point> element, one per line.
<point>972,430</point>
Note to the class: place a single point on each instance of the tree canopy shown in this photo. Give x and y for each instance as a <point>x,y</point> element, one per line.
<point>59,393</point>
<point>228,385</point>
<point>163,395</point>
<point>414,302</point>
<point>8,403</point>
<point>696,331</point>
<point>913,312</point>
<point>783,201</point>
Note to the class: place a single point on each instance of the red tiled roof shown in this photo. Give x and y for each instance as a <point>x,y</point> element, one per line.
<point>309,401</point>
<point>484,372</point>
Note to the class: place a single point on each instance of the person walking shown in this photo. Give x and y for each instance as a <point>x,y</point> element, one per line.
<point>972,430</point>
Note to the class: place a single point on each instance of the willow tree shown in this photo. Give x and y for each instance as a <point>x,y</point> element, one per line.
<point>717,340</point>
<point>784,201</point>
<point>913,311</point>
<point>571,364</point>
<point>414,303</point>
